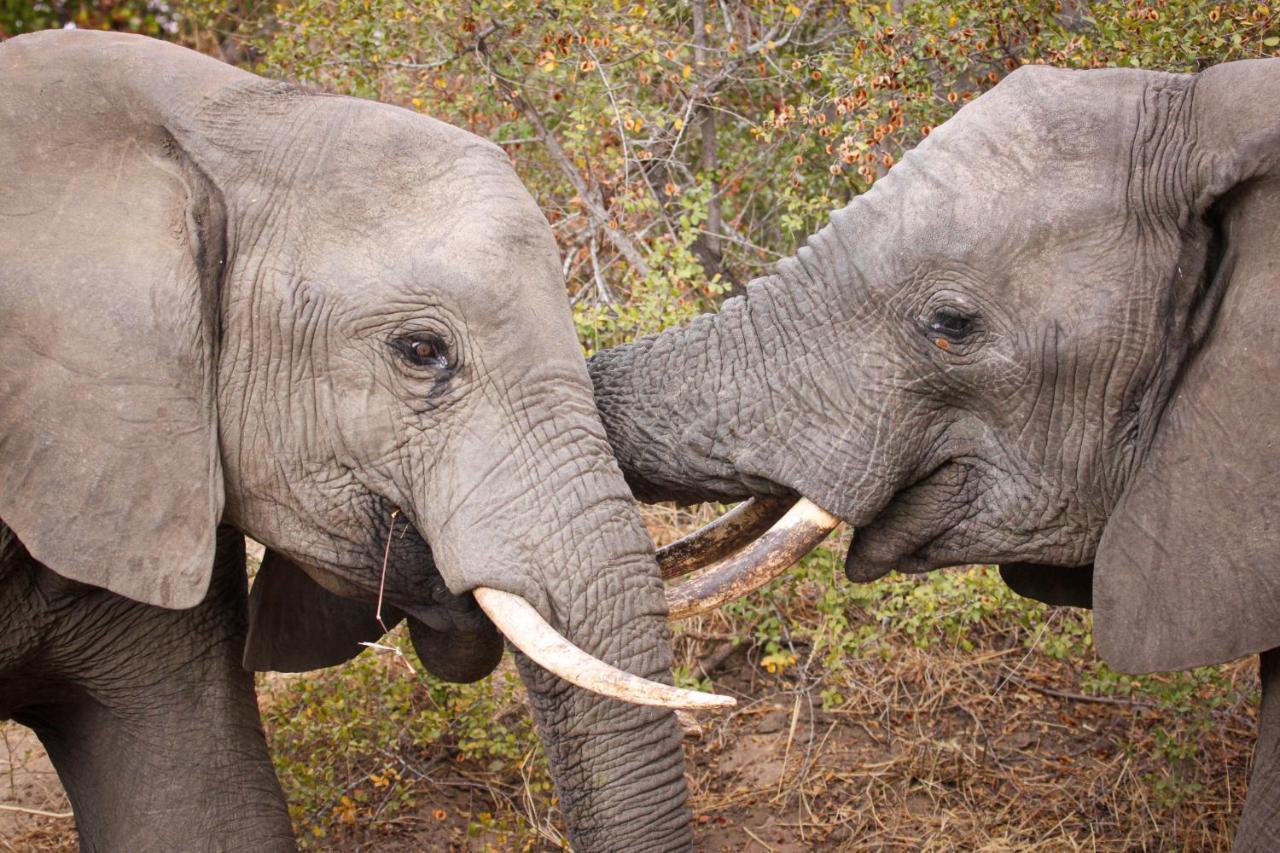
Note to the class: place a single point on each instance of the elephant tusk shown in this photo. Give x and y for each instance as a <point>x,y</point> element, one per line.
<point>533,635</point>
<point>798,533</point>
<point>740,526</point>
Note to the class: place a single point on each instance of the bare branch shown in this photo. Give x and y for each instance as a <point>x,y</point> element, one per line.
<point>707,247</point>
<point>589,195</point>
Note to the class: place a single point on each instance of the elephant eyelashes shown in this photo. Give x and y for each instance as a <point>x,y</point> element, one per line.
<point>950,326</point>
<point>424,350</point>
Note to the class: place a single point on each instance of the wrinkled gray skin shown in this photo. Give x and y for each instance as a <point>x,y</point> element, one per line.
<point>211,290</point>
<point>1050,339</point>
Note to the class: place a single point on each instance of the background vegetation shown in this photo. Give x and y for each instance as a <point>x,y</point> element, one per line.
<point>678,149</point>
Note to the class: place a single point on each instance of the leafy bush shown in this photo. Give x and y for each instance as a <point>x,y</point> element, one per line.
<point>149,17</point>
<point>381,729</point>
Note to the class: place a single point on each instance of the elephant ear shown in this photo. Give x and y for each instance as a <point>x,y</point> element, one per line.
<point>110,252</point>
<point>296,625</point>
<point>1187,571</point>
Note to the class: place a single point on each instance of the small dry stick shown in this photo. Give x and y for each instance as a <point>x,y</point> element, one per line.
<point>757,838</point>
<point>37,812</point>
<point>382,585</point>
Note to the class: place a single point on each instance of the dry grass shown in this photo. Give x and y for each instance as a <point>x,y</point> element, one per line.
<point>29,785</point>
<point>945,750</point>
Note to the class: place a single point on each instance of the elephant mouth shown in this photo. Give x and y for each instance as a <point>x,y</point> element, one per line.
<point>917,529</point>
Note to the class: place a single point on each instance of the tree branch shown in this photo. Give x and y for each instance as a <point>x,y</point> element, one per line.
<point>590,197</point>
<point>707,247</point>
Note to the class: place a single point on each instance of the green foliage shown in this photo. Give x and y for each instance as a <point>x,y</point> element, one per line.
<point>381,729</point>
<point>149,17</point>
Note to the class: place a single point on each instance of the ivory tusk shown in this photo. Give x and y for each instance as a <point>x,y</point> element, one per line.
<point>740,526</point>
<point>799,531</point>
<point>533,635</point>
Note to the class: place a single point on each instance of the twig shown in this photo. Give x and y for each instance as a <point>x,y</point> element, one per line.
<point>382,586</point>
<point>382,583</point>
<point>1077,697</point>
<point>757,838</point>
<point>37,812</point>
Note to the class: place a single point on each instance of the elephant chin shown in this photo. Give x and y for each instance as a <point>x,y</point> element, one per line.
<point>458,656</point>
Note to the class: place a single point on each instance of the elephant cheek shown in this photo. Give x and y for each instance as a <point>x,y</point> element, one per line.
<point>458,656</point>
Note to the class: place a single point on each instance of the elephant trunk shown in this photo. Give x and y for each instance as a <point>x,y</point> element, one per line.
<point>678,436</point>
<point>721,409</point>
<point>675,435</point>
<point>618,767</point>
<point>553,524</point>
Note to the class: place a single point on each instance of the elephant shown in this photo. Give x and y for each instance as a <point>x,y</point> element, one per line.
<point>230,307</point>
<point>1048,338</point>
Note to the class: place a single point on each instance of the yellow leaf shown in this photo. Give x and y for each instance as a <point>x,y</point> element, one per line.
<point>417,102</point>
<point>793,10</point>
<point>687,72</point>
<point>679,124</point>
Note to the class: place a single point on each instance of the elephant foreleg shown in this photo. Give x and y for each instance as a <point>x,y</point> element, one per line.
<point>151,721</point>
<point>1260,824</point>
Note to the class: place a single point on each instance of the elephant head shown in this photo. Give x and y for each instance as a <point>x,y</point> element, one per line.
<point>1047,338</point>
<point>341,328</point>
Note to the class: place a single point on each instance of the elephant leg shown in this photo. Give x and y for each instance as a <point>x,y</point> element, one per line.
<point>1260,823</point>
<point>153,724</point>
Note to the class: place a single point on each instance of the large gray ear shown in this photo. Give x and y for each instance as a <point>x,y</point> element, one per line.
<point>1188,569</point>
<point>110,251</point>
<point>296,625</point>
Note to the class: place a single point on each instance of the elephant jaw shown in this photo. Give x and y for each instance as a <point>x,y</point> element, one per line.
<point>762,559</point>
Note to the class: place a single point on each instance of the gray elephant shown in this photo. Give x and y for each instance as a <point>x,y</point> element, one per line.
<point>1049,338</point>
<point>230,307</point>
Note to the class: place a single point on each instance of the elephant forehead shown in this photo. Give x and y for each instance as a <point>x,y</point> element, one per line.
<point>1044,142</point>
<point>351,162</point>
<point>1053,115</point>
<point>1021,170</point>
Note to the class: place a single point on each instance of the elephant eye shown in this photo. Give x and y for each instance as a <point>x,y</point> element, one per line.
<point>950,324</point>
<point>423,349</point>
